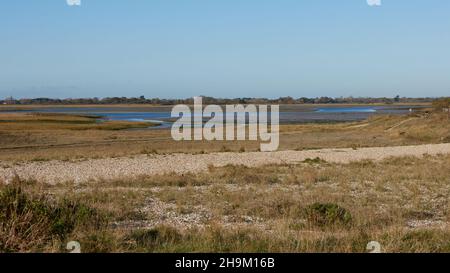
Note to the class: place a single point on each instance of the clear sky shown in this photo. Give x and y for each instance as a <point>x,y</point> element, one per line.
<point>224,48</point>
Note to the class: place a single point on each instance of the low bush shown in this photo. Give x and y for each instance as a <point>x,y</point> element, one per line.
<point>327,214</point>
<point>29,223</point>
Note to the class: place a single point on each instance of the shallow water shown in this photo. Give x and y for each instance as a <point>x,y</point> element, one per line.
<point>291,114</point>
<point>347,110</point>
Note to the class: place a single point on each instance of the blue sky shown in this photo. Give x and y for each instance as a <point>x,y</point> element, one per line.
<point>224,48</point>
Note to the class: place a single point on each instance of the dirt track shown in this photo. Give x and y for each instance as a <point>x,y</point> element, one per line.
<point>114,168</point>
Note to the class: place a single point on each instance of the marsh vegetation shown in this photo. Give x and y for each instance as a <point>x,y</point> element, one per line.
<point>65,137</point>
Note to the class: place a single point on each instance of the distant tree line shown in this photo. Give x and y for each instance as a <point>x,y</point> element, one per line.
<point>211,100</point>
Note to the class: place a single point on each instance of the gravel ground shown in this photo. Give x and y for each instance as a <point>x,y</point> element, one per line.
<point>116,168</point>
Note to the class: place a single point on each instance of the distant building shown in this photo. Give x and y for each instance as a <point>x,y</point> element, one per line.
<point>9,100</point>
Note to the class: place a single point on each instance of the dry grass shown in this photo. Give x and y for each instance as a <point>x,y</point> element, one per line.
<point>310,207</point>
<point>34,222</point>
<point>313,206</point>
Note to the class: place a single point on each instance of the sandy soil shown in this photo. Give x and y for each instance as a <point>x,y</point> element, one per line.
<point>125,167</point>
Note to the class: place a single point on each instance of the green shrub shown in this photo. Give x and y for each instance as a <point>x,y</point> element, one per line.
<point>69,214</point>
<point>327,214</point>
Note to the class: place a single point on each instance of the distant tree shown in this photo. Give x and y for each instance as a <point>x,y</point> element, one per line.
<point>212,100</point>
<point>286,100</point>
<point>324,100</point>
